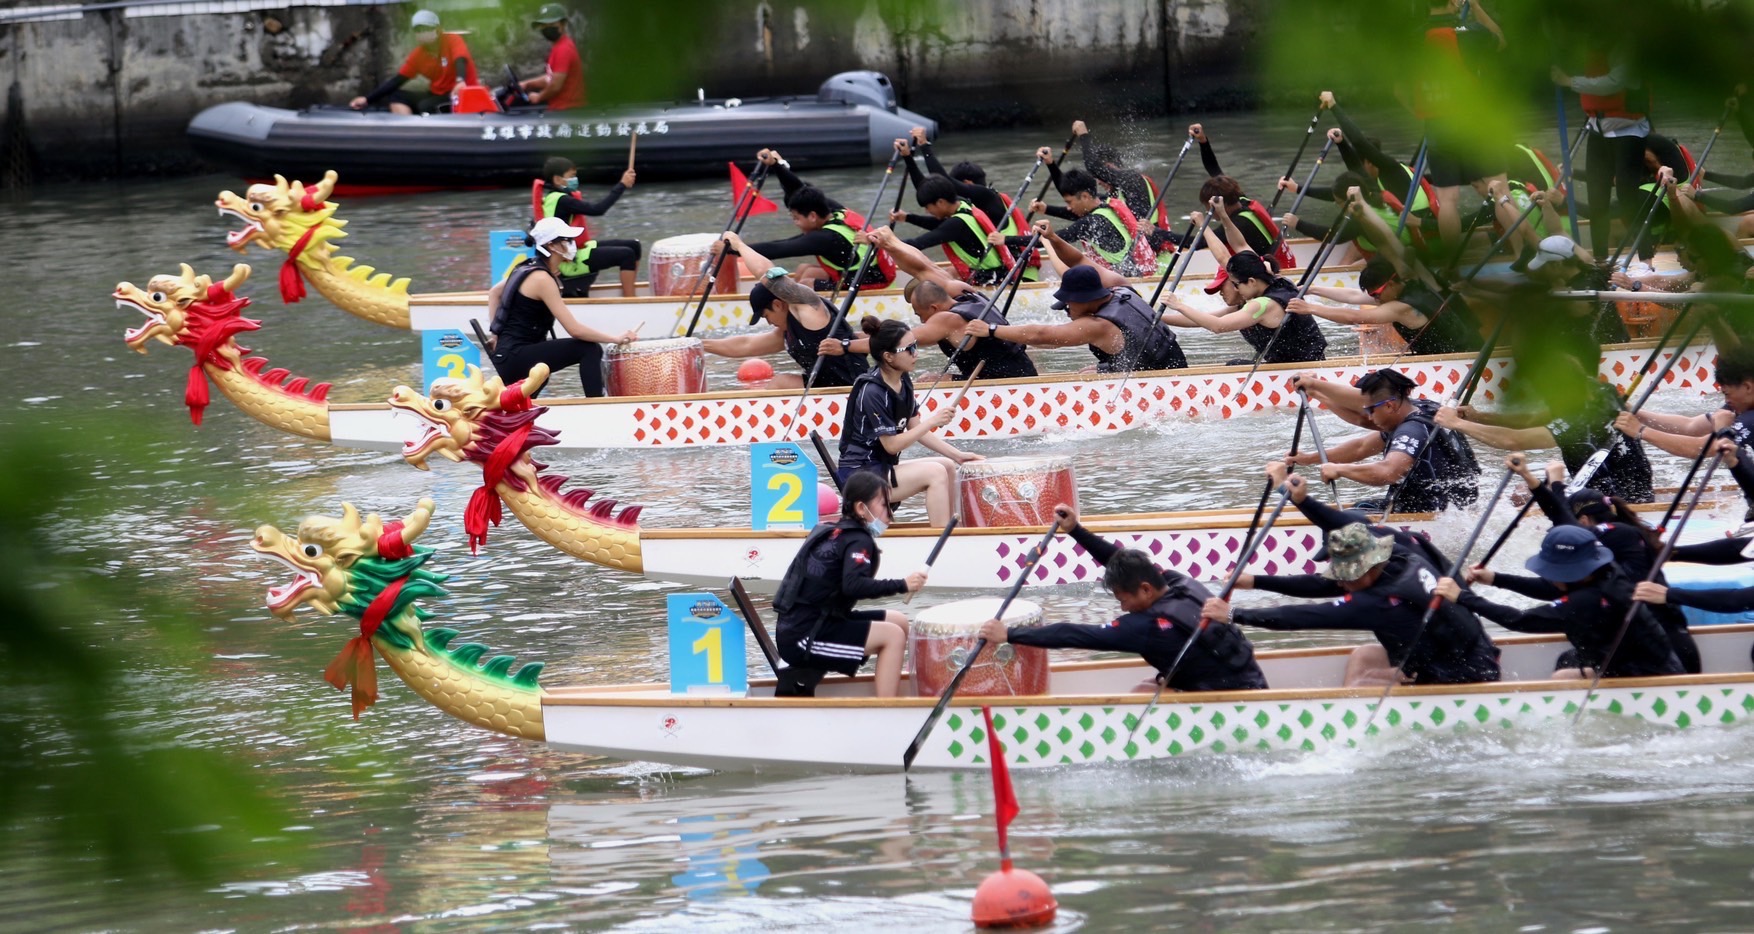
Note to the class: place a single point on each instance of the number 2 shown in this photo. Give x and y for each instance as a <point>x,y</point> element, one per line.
<point>713,644</point>
<point>782,510</point>
<point>454,365</point>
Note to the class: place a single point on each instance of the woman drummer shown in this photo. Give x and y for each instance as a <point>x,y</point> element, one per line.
<point>883,420</point>
<point>819,631</point>
<point>532,305</point>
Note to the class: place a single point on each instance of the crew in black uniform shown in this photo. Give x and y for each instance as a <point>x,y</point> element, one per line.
<point>1685,435</point>
<point>1107,316</point>
<point>1372,586</point>
<point>1256,226</point>
<point>1094,222</point>
<point>1427,469</point>
<point>954,225</point>
<point>1160,612</point>
<point>800,322</point>
<point>1258,298</point>
<point>525,307</point>
<point>826,231</point>
<point>819,631</point>
<point>883,420</point>
<point>1596,598</point>
<point>971,185</point>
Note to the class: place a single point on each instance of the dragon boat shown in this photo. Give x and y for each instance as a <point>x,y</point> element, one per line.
<point>482,421</point>
<point>371,572</point>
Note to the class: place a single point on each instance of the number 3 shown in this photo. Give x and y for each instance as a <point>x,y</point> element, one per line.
<point>782,510</point>
<point>454,365</point>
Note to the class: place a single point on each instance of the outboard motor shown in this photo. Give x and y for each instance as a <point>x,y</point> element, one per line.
<point>870,88</point>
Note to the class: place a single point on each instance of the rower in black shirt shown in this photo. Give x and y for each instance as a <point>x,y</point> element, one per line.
<point>1372,586</point>
<point>525,306</point>
<point>800,322</point>
<point>1160,612</point>
<point>826,231</point>
<point>1394,288</point>
<point>1095,223</point>
<point>1258,298</point>
<point>1258,227</point>
<point>1596,598</point>
<point>960,228</point>
<point>1107,316</point>
<point>883,420</point>
<point>968,177</point>
<point>945,306</point>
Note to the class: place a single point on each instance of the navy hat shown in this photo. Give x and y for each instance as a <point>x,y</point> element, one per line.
<point>1351,516</point>
<point>1569,554</point>
<point>1080,284</point>
<point>760,299</point>
<point>1588,503</point>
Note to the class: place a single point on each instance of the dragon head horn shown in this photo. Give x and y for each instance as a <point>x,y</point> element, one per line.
<point>350,518</point>
<point>188,272</point>
<point>240,272</point>
<point>533,383</point>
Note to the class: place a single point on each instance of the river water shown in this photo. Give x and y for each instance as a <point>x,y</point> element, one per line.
<point>412,821</point>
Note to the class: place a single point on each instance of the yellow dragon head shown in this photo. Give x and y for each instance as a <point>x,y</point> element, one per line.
<point>176,307</point>
<point>324,554</point>
<point>276,216</point>
<point>455,415</point>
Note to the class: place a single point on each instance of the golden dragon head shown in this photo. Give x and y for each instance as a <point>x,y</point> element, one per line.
<point>324,552</point>
<point>276,216</point>
<point>451,416</point>
<point>173,305</point>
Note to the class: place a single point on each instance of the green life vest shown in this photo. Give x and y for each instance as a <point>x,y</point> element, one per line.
<point>1112,257</point>
<point>1520,199</point>
<point>1547,180</point>
<point>837,222</point>
<point>1421,201</point>
<point>579,265</point>
<point>986,260</point>
<point>1390,217</point>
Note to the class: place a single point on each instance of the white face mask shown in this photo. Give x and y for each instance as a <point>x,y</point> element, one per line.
<point>565,249</point>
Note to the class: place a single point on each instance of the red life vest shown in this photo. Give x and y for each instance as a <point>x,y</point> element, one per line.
<point>1281,250</point>
<point>963,272</point>
<point>882,262</point>
<point>1440,68</point>
<point>537,189</point>
<point>1020,229</point>
<point>1144,259</point>
<point>1162,217</point>
<point>1610,105</point>
<point>1687,156</point>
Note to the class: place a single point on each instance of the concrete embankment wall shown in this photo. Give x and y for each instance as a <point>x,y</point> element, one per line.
<point>107,88</point>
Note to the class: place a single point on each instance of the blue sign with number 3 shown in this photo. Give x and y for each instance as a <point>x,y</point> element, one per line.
<point>782,487</point>
<point>446,353</point>
<point>706,646</point>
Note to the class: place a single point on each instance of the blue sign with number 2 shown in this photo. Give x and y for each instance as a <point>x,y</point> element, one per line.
<point>782,487</point>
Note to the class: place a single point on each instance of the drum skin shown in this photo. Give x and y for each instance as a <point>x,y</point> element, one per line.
<point>942,636</point>
<point>1009,492</point>
<point>671,367</point>
<point>675,264</point>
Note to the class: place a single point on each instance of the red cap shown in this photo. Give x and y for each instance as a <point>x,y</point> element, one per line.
<point>1218,282</point>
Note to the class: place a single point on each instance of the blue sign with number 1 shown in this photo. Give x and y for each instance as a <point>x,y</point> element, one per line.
<point>706,646</point>
<point>446,353</point>
<point>782,487</point>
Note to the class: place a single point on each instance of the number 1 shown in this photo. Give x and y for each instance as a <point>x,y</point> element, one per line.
<point>713,644</point>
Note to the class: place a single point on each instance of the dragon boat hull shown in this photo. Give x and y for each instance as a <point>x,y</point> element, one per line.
<point>850,121</point>
<point>1094,707</point>
<point>1059,403</point>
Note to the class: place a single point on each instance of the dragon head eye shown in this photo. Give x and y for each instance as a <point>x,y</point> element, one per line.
<point>311,550</point>
<point>157,296</point>
<point>256,206</point>
<point>440,405</point>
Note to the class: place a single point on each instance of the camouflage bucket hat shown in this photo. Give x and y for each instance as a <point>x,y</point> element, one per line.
<point>1353,551</point>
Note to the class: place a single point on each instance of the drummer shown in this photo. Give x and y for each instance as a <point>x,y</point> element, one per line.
<point>819,631</point>
<point>527,304</point>
<point>1160,611</point>
<point>799,320</point>
<point>560,198</point>
<point>883,420</point>
<point>945,305</point>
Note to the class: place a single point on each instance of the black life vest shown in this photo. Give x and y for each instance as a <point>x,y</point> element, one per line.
<point>1451,328</point>
<point>1004,359</point>
<point>801,344</point>
<point>1444,474</point>
<point>810,592</point>
<point>1302,340</point>
<point>1146,347</point>
<point>523,320</point>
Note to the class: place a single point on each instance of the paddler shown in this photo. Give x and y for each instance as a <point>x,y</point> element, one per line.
<point>1095,223</point>
<point>562,85</point>
<point>1160,611</point>
<point>1135,188</point>
<point>970,180</point>
<point>438,56</point>
<point>1257,298</point>
<point>957,226</point>
<point>1249,215</point>
<point>819,631</point>
<point>827,231</point>
<point>1428,469</point>
<point>945,306</point>
<point>1595,598</point>
<point>1372,586</point>
<point>560,186</point>
<point>799,322</point>
<point>525,307</point>
<point>883,420</point>
<point>1106,315</point>
<point>1685,435</point>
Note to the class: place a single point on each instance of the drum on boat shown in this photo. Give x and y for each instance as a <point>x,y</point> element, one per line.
<point>1015,491</point>
<point>669,367</point>
<point>676,264</point>
<point>943,635</point>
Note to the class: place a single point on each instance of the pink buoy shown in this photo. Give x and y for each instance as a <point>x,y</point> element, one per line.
<point>754,370</point>
<point>827,501</point>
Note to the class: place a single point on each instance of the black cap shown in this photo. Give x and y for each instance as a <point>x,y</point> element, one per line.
<point>1588,503</point>
<point>1080,284</point>
<point>760,299</point>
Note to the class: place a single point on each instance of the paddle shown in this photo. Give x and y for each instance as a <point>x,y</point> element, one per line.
<point>739,213</point>
<point>1158,318</point>
<point>932,556</point>
<point>859,281</point>
<point>1699,164</point>
<point>1455,571</point>
<point>1315,437</point>
<point>1267,490</point>
<point>1455,289</point>
<point>1589,469</point>
<point>1070,141</point>
<point>1035,555</point>
<point>1162,190</point>
<point>1565,167</point>
<point>1307,133</point>
<point>1308,180</point>
<point>632,146</point>
<point>1309,281</point>
<point>1242,561</point>
<point>955,400</point>
<point>1174,261</point>
<point>1413,186</point>
<point>1656,566</point>
<point>1012,276</point>
<point>827,459</point>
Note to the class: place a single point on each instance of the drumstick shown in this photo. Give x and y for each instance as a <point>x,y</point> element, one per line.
<point>931,557</point>
<point>979,365</point>
<point>632,144</point>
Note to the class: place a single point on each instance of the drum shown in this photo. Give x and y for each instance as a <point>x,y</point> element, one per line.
<point>655,368</point>
<point>1380,340</point>
<point>1015,491</point>
<point>675,265</point>
<point>942,636</point>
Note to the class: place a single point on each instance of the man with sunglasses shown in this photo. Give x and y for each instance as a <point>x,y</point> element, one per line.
<point>1424,467</point>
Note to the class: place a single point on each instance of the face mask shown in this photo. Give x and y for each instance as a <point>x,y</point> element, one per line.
<point>876,527</point>
<point>572,184</point>
<point>426,38</point>
<point>566,249</point>
<point>551,33</point>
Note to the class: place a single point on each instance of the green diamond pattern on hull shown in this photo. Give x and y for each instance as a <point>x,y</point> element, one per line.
<point>1043,736</point>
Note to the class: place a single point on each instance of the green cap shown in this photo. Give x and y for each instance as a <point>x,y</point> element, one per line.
<point>550,13</point>
<point>1353,551</point>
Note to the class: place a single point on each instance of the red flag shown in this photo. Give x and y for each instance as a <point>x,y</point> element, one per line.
<point>1004,799</point>
<point>739,182</point>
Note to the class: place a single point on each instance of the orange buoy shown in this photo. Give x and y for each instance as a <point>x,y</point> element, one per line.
<point>754,370</point>
<point>1013,898</point>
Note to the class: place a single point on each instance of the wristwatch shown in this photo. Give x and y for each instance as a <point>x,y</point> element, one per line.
<point>846,344</point>
<point>992,329</point>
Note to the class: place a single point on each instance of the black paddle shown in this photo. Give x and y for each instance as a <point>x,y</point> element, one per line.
<point>1413,188</point>
<point>1070,141</point>
<point>1321,157</point>
<point>1589,469</point>
<point>932,556</point>
<point>1011,277</point>
<point>859,281</point>
<point>1035,555</point>
<point>1315,268</point>
<point>1315,437</point>
<point>1307,133</point>
<point>1267,490</point>
<point>1455,571</point>
<point>739,213</point>
<point>1151,338</point>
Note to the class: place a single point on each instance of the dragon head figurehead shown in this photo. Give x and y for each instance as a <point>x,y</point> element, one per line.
<point>467,418</point>
<point>187,309</point>
<point>277,216</point>
<point>341,565</point>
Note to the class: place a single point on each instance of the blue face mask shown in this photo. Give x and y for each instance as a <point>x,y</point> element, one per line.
<point>572,184</point>
<point>876,527</point>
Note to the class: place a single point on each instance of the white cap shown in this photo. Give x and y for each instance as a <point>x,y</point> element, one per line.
<point>1552,250</point>
<point>425,18</point>
<point>552,228</point>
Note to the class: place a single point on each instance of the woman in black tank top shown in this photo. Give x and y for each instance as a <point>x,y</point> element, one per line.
<point>525,307</point>
<point>1257,300</point>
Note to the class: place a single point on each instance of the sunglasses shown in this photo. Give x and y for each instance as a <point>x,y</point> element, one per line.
<point>1377,292</point>
<point>913,348</point>
<point>1377,405</point>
